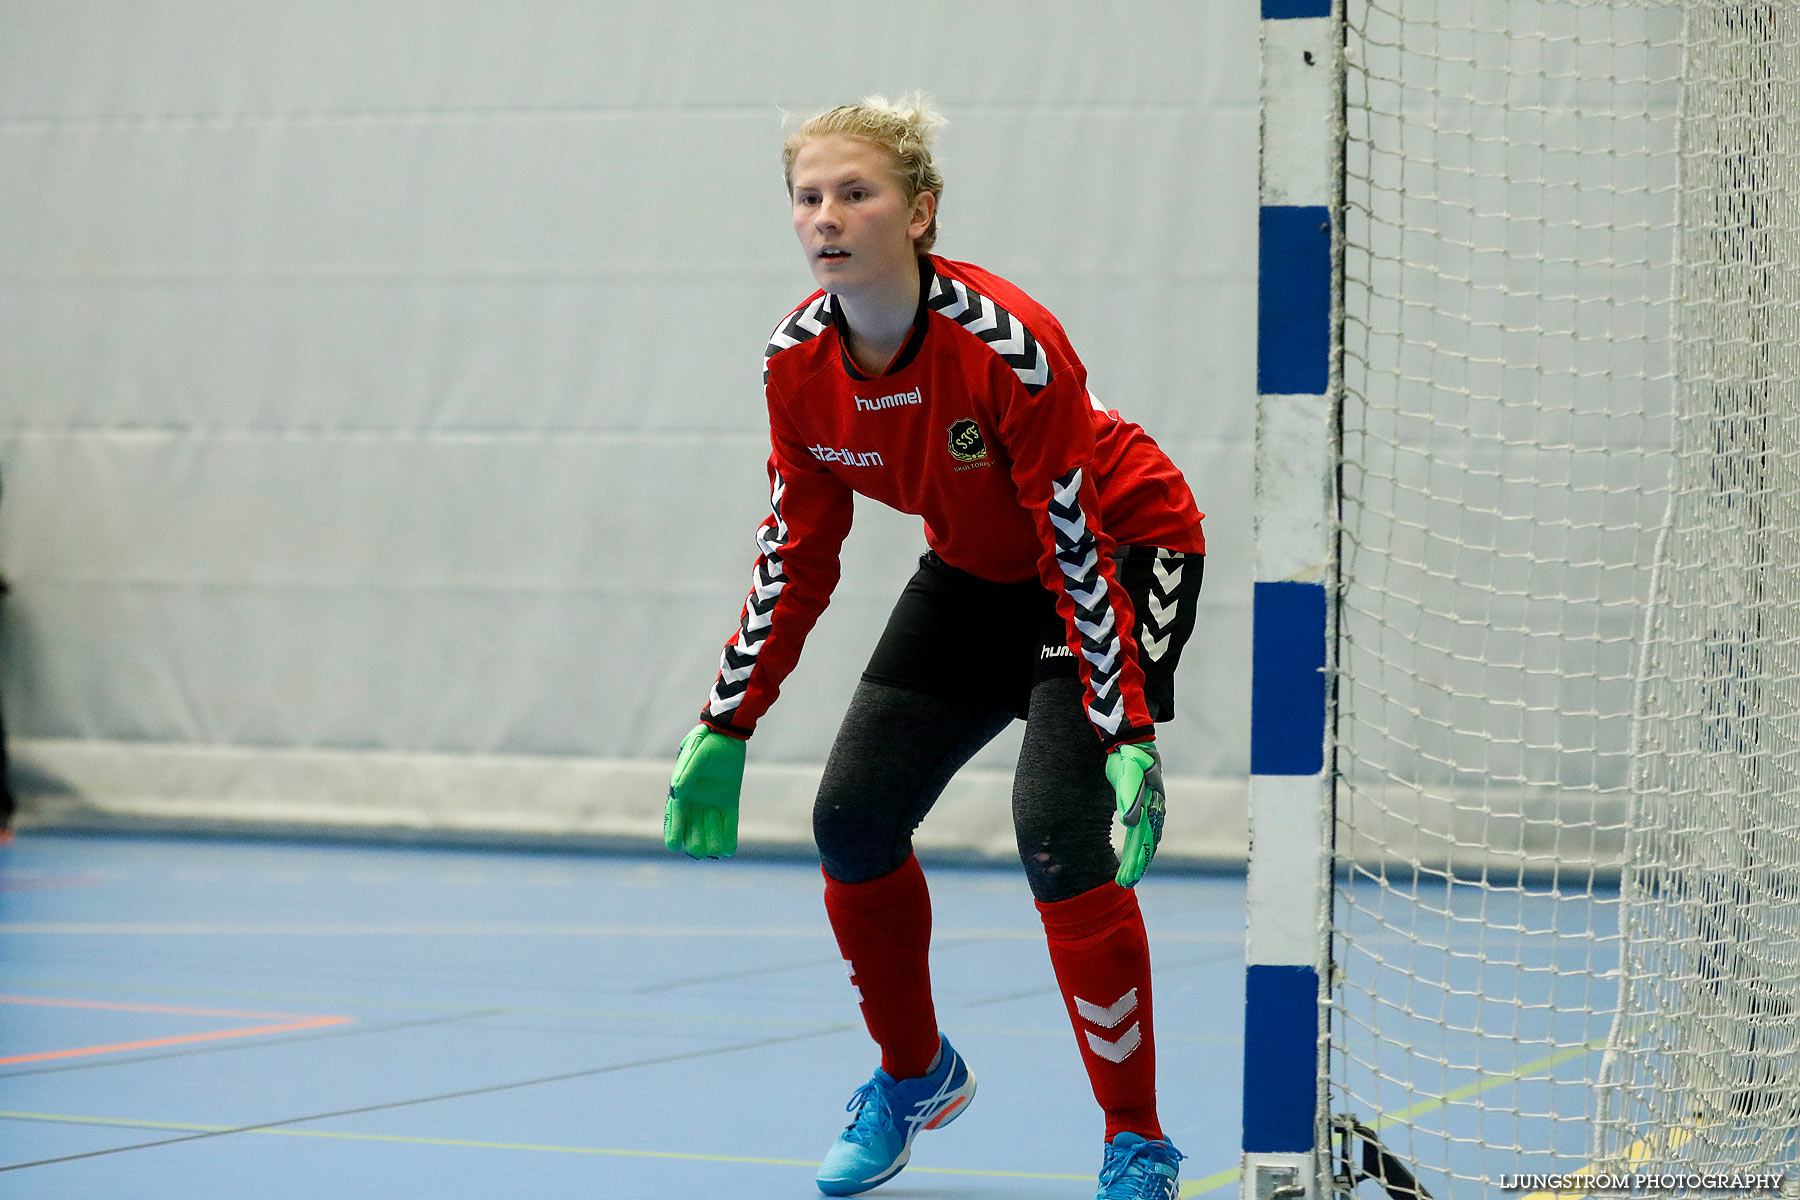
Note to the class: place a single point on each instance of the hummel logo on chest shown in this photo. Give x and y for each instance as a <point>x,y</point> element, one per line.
<point>893,400</point>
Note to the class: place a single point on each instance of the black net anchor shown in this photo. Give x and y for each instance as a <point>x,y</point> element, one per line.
<point>1377,1163</point>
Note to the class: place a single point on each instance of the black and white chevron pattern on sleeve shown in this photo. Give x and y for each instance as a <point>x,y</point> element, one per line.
<point>767,581</point>
<point>1078,554</point>
<point>1160,603</point>
<point>1004,333</point>
<point>802,325</point>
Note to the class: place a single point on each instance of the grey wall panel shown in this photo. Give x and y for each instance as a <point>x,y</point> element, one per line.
<point>245,58</point>
<point>528,513</point>
<point>386,376</point>
<point>506,355</point>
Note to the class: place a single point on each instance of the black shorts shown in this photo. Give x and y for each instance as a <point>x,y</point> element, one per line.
<point>957,635</point>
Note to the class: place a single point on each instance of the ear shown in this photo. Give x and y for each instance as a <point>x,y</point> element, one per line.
<point>924,208</point>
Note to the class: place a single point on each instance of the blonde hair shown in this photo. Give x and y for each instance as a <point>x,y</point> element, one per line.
<point>905,129</point>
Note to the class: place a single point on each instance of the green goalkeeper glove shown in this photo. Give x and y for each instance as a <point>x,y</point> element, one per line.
<point>701,816</point>
<point>1135,772</point>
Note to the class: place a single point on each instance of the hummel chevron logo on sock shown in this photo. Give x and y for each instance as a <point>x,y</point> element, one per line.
<point>1118,1049</point>
<point>1106,1018</point>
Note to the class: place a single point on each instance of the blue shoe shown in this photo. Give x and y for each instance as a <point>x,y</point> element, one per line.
<point>888,1113</point>
<point>1136,1169</point>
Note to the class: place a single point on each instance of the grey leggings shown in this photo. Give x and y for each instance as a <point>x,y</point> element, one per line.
<point>897,749</point>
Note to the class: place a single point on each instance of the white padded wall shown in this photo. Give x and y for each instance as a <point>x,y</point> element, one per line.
<point>383,378</point>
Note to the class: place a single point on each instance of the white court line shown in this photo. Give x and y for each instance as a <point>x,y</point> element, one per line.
<point>243,929</point>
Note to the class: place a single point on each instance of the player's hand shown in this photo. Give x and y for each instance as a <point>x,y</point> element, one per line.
<point>1135,772</point>
<point>701,816</point>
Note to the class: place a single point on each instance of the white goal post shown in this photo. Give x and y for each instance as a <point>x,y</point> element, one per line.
<point>1524,894</point>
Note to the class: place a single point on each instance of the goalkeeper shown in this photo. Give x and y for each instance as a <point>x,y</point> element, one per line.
<point>1065,554</point>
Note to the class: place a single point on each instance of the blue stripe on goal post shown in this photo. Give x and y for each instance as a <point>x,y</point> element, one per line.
<point>1287,679</point>
<point>1281,1052</point>
<point>1286,10</point>
<point>1293,301</point>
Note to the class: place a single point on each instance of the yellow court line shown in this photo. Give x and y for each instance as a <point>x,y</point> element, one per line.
<point>1190,1189</point>
<point>1475,1089</point>
<point>1636,1155</point>
<point>1488,1083</point>
<point>475,1144</point>
<point>1462,1093</point>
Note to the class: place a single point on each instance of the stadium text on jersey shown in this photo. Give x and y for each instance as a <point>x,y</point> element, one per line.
<point>848,457</point>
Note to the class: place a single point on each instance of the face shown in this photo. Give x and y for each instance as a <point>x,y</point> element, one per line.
<point>852,216</point>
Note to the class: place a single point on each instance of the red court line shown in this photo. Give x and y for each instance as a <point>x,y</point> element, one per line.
<point>283,1023</point>
<point>41,883</point>
<point>120,1006</point>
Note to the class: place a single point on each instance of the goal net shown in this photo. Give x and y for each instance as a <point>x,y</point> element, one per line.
<point>1565,926</point>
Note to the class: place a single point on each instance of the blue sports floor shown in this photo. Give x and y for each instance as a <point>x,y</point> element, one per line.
<point>201,1018</point>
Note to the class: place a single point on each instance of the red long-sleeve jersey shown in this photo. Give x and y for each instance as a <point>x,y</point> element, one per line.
<point>983,425</point>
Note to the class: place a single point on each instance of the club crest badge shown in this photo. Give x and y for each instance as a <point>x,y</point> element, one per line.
<point>966,444</point>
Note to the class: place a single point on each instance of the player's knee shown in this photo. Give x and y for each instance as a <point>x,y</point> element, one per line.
<point>853,848</point>
<point>834,829</point>
<point>1064,868</point>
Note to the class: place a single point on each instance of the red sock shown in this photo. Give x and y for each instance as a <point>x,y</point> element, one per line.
<point>1102,963</point>
<point>883,930</point>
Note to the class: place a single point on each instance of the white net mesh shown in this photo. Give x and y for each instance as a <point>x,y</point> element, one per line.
<point>1522,179</point>
<point>1704,1064</point>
